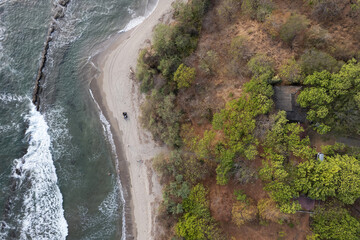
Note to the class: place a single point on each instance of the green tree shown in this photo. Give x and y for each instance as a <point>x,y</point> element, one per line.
<point>335,223</point>
<point>282,140</point>
<point>291,71</point>
<point>316,61</point>
<point>161,118</point>
<point>337,176</point>
<point>332,100</point>
<point>257,9</point>
<point>184,76</point>
<point>293,27</point>
<point>197,223</point>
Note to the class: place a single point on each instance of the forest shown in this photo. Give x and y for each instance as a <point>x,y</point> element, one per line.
<point>241,162</point>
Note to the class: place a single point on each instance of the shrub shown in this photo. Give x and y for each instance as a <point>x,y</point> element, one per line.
<point>224,167</point>
<point>161,118</point>
<point>240,49</point>
<point>257,9</point>
<point>144,73</point>
<point>269,212</point>
<point>174,193</point>
<point>197,223</point>
<point>334,222</point>
<point>292,27</point>
<point>328,10</point>
<point>168,66</point>
<point>243,212</point>
<point>240,195</point>
<point>184,76</point>
<point>317,37</point>
<point>189,15</point>
<point>208,61</point>
<point>227,10</point>
<point>261,66</point>
<point>163,40</point>
<point>240,53</point>
<point>316,61</point>
<point>291,71</point>
<point>272,26</point>
<point>243,173</point>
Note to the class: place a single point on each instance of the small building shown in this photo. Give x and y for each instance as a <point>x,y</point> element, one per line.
<point>306,203</point>
<point>285,99</point>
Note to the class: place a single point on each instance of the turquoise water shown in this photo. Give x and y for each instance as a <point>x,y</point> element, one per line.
<point>58,175</point>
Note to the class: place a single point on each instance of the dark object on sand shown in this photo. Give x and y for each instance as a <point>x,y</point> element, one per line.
<point>125,115</point>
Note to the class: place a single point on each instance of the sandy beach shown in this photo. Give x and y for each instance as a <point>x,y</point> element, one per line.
<point>116,92</point>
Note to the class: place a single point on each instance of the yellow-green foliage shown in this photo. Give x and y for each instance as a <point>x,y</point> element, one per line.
<point>197,223</point>
<point>291,71</point>
<point>335,223</point>
<point>184,76</point>
<point>280,141</point>
<point>269,212</point>
<point>243,212</point>
<point>337,176</point>
<point>331,97</point>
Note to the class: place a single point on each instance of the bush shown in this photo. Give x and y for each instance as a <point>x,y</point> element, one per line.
<point>197,223</point>
<point>334,222</point>
<point>240,53</point>
<point>291,71</point>
<point>227,10</point>
<point>243,212</point>
<point>269,212</point>
<point>328,10</point>
<point>189,15</point>
<point>261,66</point>
<point>240,196</point>
<point>168,66</point>
<point>293,27</point>
<point>144,73</point>
<point>208,62</point>
<point>184,76</point>
<point>243,173</point>
<point>316,61</point>
<point>174,193</point>
<point>257,9</point>
<point>161,118</point>
<point>317,37</point>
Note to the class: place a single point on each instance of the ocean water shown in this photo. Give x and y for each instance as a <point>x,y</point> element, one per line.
<point>58,166</point>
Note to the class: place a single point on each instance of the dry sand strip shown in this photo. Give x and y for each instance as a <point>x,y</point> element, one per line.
<point>120,94</point>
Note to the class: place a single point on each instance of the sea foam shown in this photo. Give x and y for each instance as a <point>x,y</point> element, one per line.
<point>42,214</point>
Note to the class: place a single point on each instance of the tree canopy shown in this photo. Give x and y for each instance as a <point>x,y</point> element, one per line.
<point>336,176</point>
<point>333,100</point>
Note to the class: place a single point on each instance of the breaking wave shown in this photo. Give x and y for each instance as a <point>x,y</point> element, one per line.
<point>42,214</point>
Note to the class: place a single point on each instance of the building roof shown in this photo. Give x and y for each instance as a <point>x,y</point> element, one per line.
<point>285,99</point>
<point>306,203</point>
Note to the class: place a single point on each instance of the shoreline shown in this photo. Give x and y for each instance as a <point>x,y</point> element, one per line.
<point>116,92</point>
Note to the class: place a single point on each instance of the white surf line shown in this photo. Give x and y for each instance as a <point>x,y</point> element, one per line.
<point>110,138</point>
<point>42,213</point>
